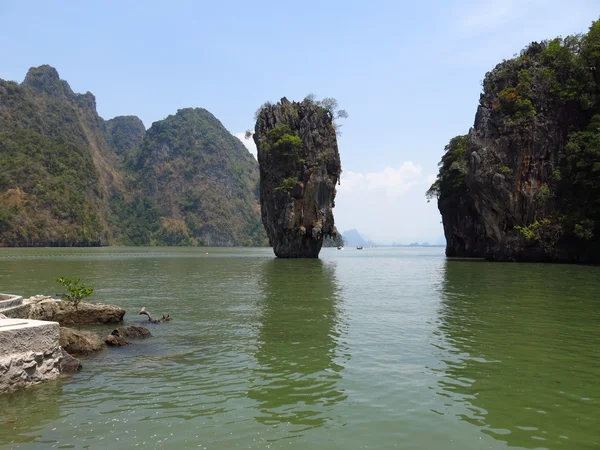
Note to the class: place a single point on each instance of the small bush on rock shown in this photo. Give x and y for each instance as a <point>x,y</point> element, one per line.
<point>75,291</point>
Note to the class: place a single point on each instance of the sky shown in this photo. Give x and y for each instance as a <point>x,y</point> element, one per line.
<point>409,74</point>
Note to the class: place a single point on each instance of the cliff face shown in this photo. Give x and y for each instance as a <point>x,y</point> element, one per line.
<point>464,232</point>
<point>299,169</point>
<point>203,179</point>
<point>527,186</point>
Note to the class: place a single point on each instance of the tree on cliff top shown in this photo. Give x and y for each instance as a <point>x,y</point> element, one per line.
<point>590,50</point>
<point>328,103</point>
<point>331,105</point>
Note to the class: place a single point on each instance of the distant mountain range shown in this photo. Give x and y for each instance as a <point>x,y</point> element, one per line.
<point>70,178</point>
<point>354,238</point>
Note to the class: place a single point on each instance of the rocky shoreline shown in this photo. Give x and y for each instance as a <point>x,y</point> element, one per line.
<point>37,345</point>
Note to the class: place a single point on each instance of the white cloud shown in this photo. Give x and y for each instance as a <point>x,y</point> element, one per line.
<point>248,143</point>
<point>392,181</point>
<point>388,205</point>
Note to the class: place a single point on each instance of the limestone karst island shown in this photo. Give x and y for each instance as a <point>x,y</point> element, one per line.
<point>200,247</point>
<point>524,183</point>
<point>299,169</point>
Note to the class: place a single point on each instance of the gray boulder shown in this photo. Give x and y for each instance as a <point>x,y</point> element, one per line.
<point>114,340</point>
<point>134,332</point>
<point>68,364</point>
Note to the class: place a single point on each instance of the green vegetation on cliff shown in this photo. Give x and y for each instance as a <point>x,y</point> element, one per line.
<point>125,133</point>
<point>578,182</point>
<point>451,179</point>
<point>529,170</point>
<point>203,181</point>
<point>53,173</point>
<point>47,188</point>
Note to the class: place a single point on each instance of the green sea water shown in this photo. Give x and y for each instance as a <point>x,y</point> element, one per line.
<point>375,349</point>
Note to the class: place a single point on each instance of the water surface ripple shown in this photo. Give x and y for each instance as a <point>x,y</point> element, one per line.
<point>380,348</point>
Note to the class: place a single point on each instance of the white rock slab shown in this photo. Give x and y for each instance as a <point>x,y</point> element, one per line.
<point>29,352</point>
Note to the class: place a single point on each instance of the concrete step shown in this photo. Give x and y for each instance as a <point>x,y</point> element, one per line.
<point>17,312</point>
<point>10,301</point>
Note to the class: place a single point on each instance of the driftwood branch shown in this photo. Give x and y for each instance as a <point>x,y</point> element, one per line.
<point>165,317</point>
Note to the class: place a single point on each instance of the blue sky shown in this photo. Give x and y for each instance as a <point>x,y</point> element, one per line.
<point>408,73</point>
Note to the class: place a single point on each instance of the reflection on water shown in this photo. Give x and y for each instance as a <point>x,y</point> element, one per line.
<point>297,373</point>
<point>515,340</point>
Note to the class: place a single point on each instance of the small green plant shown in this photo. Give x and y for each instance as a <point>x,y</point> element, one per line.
<point>556,175</point>
<point>506,171</point>
<point>287,184</point>
<point>75,292</point>
<point>546,231</point>
<point>530,232</point>
<point>544,193</point>
<point>585,229</point>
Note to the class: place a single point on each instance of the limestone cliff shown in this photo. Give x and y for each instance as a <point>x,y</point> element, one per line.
<point>525,187</point>
<point>299,169</point>
<point>465,235</point>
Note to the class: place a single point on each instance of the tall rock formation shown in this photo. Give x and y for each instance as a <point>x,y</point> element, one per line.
<point>526,187</point>
<point>299,169</point>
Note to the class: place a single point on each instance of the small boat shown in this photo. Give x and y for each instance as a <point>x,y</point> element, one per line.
<point>340,247</point>
<point>359,247</point>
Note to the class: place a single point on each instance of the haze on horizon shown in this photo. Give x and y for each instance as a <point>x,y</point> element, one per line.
<point>409,75</point>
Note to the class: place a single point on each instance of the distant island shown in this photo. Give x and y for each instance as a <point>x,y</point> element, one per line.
<point>353,238</point>
<point>524,183</point>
